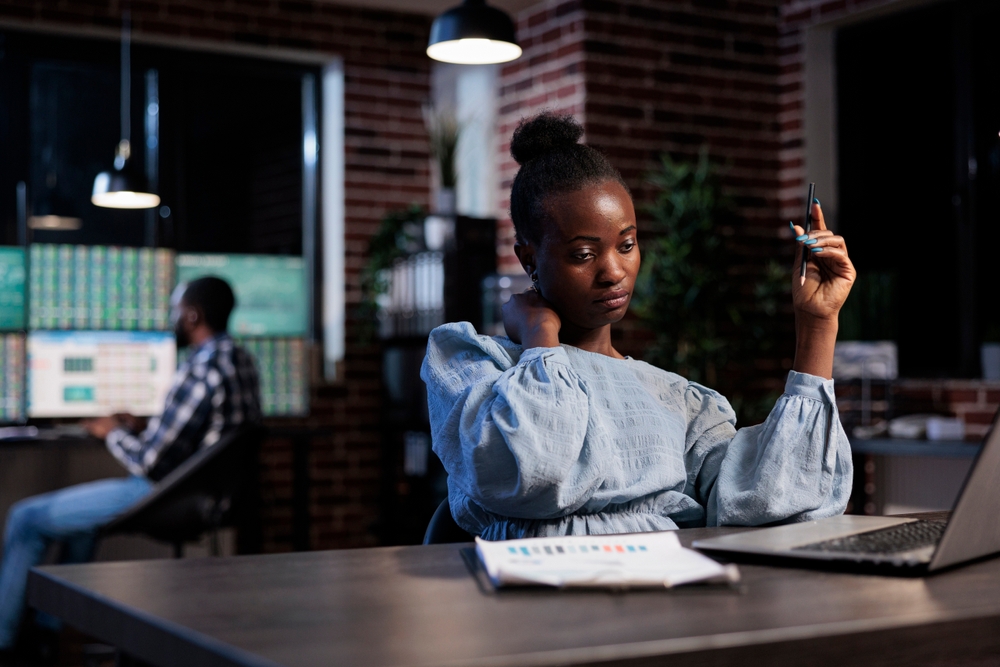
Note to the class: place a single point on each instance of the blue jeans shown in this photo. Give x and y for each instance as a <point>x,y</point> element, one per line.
<point>71,516</point>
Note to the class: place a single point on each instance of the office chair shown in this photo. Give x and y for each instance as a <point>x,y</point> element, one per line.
<point>442,528</point>
<point>211,490</point>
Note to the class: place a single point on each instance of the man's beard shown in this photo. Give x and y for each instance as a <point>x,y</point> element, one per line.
<point>181,336</point>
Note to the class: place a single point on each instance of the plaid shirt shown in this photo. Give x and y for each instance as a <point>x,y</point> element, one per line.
<point>214,390</point>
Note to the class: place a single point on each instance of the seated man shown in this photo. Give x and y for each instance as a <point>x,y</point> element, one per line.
<point>215,390</point>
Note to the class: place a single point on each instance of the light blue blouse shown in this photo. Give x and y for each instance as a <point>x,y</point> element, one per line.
<point>560,441</point>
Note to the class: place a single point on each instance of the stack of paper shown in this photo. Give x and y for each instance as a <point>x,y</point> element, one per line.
<point>633,560</point>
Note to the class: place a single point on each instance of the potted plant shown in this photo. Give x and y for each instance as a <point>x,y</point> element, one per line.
<point>443,130</point>
<point>704,318</point>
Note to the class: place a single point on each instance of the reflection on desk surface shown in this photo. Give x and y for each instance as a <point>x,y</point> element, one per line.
<point>57,432</point>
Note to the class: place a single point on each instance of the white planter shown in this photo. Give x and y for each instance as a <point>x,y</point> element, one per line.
<point>444,201</point>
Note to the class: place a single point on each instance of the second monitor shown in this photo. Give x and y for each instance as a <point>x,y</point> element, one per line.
<point>96,373</point>
<point>271,292</point>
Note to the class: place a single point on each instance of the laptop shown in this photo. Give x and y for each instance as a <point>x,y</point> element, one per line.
<point>885,544</point>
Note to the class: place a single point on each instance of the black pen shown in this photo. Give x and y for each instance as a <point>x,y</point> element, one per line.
<point>808,227</point>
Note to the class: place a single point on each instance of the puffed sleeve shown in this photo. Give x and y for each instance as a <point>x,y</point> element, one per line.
<point>510,432</point>
<point>796,466</point>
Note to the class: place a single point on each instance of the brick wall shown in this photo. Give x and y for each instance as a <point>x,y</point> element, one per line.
<point>673,77</point>
<point>548,75</point>
<point>975,402</point>
<point>652,76</point>
<point>387,167</point>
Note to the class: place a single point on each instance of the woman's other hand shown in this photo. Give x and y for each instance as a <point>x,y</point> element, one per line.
<point>531,321</point>
<point>829,273</point>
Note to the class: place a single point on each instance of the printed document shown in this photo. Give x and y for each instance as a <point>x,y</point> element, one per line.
<point>609,561</point>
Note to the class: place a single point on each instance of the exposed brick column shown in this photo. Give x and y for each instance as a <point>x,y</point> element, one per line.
<point>660,76</point>
<point>549,75</point>
<point>647,77</point>
<point>670,77</point>
<point>387,167</point>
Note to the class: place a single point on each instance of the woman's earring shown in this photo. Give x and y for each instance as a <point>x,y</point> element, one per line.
<point>534,281</point>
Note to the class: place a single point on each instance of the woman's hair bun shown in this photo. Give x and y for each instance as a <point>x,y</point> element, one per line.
<point>543,134</point>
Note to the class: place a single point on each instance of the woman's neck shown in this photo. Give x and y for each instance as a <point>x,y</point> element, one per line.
<point>592,340</point>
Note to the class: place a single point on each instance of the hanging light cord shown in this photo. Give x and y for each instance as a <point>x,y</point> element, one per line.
<point>125,147</point>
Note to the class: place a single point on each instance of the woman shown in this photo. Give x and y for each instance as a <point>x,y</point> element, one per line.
<point>552,431</point>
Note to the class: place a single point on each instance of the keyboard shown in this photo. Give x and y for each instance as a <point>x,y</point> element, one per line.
<point>895,539</point>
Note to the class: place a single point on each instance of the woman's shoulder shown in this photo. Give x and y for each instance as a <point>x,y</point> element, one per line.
<point>460,340</point>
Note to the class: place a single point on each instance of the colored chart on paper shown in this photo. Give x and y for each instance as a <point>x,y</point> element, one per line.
<point>574,549</point>
<point>647,559</point>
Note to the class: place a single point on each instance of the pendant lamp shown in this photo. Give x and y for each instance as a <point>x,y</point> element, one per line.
<point>125,186</point>
<point>473,33</point>
<point>53,213</point>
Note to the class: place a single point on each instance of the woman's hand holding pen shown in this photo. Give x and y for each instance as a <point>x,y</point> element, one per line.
<point>817,301</point>
<point>829,272</point>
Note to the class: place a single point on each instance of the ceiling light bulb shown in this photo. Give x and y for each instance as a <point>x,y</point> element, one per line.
<point>473,33</point>
<point>125,199</point>
<point>474,51</point>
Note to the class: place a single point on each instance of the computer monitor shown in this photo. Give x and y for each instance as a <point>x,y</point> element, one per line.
<point>12,288</point>
<point>271,293</point>
<point>284,379</point>
<point>95,373</point>
<point>99,287</point>
<point>11,377</point>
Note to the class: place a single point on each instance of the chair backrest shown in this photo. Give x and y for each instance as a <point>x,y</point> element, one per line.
<point>199,494</point>
<point>442,528</point>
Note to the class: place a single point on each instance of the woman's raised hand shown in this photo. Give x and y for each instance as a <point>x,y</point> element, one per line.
<point>531,321</point>
<point>829,274</point>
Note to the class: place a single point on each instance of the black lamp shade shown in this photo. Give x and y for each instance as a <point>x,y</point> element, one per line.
<point>122,189</point>
<point>473,33</point>
<point>54,212</point>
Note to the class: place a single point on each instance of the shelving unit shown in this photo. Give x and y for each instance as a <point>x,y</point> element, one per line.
<point>413,481</point>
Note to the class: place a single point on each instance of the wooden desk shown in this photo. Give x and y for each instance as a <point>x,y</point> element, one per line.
<point>419,606</point>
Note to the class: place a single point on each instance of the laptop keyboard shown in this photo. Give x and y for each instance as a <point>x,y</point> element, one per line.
<point>895,539</point>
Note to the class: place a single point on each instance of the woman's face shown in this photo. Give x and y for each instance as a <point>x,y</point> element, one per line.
<point>588,260</point>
